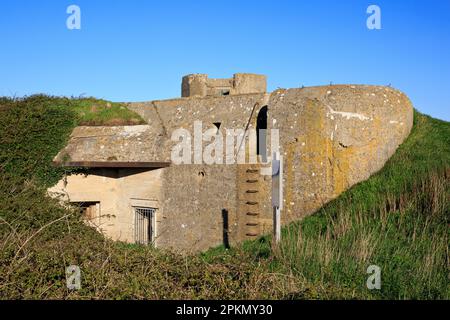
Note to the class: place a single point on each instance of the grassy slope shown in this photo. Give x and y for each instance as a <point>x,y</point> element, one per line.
<point>398,220</point>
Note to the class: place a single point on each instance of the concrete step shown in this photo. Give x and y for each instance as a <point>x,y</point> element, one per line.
<point>252,224</point>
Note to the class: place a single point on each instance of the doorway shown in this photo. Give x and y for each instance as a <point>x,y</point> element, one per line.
<point>261,134</point>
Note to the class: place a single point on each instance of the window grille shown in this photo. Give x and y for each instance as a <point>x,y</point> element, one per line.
<point>144,225</point>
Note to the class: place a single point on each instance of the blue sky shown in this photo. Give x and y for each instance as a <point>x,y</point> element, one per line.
<point>138,50</point>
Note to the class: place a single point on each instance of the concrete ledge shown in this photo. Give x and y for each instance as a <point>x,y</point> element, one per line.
<point>111,164</point>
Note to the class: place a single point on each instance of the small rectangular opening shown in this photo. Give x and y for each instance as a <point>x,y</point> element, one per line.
<point>89,209</point>
<point>144,225</point>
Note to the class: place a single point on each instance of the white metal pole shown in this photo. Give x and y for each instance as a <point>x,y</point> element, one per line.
<point>277,194</point>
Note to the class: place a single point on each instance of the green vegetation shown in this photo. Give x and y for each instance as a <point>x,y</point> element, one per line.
<point>95,112</point>
<point>398,219</point>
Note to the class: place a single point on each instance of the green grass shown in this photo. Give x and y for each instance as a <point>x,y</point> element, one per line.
<point>398,219</point>
<point>86,111</point>
<point>95,112</point>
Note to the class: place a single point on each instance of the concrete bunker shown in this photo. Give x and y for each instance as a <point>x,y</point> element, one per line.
<point>192,207</point>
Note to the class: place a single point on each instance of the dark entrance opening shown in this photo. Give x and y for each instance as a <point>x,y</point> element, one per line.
<point>261,134</point>
<point>89,209</point>
<point>226,241</point>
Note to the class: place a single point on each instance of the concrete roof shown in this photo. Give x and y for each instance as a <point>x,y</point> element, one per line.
<point>119,144</point>
<point>152,143</point>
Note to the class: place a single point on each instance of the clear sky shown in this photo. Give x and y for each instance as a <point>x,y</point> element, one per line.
<point>138,50</point>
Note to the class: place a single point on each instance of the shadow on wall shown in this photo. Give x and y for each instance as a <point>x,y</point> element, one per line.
<point>116,173</point>
<point>226,241</point>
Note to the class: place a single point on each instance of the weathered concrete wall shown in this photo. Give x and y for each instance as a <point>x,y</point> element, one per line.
<point>196,195</point>
<point>334,137</point>
<point>199,85</point>
<point>194,85</point>
<point>137,188</point>
<point>331,137</point>
<point>143,143</point>
<point>249,83</point>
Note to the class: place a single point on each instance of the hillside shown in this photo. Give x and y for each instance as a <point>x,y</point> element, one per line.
<point>398,220</point>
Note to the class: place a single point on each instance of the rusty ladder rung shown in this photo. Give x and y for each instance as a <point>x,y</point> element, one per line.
<point>252,224</point>
<point>252,170</point>
<point>252,214</point>
<point>252,181</point>
<point>251,203</point>
<point>251,234</point>
<point>252,191</point>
